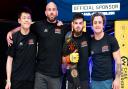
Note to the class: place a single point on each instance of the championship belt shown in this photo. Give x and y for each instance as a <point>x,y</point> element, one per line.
<point>74,72</point>
<point>70,52</point>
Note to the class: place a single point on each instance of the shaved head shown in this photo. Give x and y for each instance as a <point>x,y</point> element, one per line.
<point>51,12</point>
<point>51,4</point>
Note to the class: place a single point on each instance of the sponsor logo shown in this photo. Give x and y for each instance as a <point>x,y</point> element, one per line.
<point>105,48</point>
<point>58,31</point>
<point>30,42</point>
<point>124,71</point>
<point>84,43</point>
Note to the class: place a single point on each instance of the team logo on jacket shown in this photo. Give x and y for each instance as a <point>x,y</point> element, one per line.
<point>58,31</point>
<point>30,41</point>
<point>105,48</point>
<point>21,44</point>
<point>45,30</point>
<point>84,43</point>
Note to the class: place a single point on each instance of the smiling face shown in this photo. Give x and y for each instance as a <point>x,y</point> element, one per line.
<point>98,24</point>
<point>51,11</point>
<point>25,20</point>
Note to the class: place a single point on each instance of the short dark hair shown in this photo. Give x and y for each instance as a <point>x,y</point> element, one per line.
<point>98,14</point>
<point>25,10</point>
<point>78,16</point>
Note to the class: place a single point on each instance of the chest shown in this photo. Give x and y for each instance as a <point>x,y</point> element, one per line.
<point>82,45</point>
<point>50,32</point>
<point>100,47</point>
<point>23,43</point>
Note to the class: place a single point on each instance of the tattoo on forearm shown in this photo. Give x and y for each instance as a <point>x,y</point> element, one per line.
<point>118,70</point>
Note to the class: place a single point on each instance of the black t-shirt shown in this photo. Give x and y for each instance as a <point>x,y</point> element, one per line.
<point>101,50</point>
<point>23,52</point>
<point>50,42</point>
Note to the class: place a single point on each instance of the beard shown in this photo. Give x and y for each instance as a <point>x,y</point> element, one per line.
<point>51,19</point>
<point>77,33</point>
